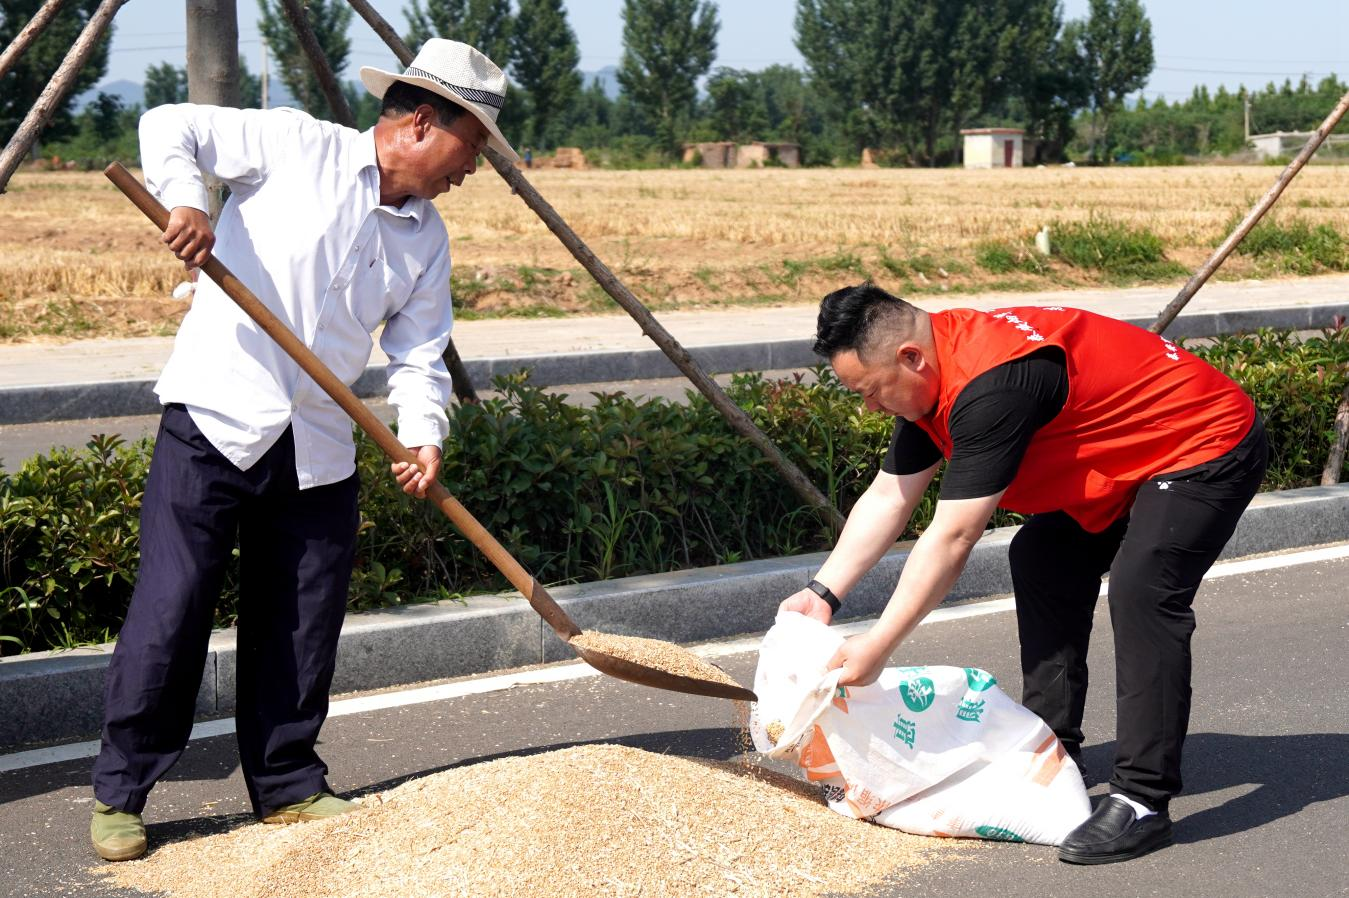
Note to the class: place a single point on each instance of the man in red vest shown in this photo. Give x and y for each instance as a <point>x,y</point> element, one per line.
<point>1130,455</point>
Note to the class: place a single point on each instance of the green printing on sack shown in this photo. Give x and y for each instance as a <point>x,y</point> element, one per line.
<point>918,693</point>
<point>998,834</point>
<point>970,711</point>
<point>905,730</point>
<point>979,680</point>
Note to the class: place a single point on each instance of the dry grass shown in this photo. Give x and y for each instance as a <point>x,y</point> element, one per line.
<point>72,249</point>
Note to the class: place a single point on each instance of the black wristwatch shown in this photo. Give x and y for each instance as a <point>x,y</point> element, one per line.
<point>825,593</point>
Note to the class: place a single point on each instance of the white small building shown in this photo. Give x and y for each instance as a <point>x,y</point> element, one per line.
<point>1290,143</point>
<point>993,147</point>
<point>1279,143</point>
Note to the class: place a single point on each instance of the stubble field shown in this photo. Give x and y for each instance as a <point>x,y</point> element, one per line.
<point>77,260</point>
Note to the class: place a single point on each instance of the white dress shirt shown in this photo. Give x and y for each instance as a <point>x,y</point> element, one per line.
<point>304,230</point>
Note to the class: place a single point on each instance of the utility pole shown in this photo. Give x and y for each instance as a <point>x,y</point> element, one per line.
<point>264,74</point>
<point>1248,117</point>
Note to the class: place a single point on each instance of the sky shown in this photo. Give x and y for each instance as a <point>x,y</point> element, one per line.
<point>1210,42</point>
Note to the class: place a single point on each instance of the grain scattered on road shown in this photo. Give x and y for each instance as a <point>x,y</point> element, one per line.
<point>585,821</point>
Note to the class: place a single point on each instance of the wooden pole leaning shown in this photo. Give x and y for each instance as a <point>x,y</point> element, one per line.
<point>438,495</point>
<point>1330,475</point>
<point>734,415</point>
<point>332,91</point>
<point>30,33</point>
<point>56,90</point>
<point>1252,218</point>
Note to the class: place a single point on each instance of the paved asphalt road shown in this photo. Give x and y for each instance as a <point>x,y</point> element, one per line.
<point>1265,811</point>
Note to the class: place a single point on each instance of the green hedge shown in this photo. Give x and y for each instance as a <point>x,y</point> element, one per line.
<point>620,488</point>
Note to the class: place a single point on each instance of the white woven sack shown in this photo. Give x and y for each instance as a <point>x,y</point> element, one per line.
<point>930,750</point>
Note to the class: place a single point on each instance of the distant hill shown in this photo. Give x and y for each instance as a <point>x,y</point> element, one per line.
<point>608,79</point>
<point>129,92</point>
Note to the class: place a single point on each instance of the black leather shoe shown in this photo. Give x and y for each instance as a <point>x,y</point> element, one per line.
<point>1114,833</point>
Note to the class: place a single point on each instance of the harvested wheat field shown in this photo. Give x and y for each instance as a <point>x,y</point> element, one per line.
<point>598,820</point>
<point>77,260</point>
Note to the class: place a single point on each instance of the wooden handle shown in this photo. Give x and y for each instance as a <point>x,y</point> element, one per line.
<point>452,508</point>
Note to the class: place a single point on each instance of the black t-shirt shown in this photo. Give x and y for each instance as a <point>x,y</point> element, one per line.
<point>992,422</point>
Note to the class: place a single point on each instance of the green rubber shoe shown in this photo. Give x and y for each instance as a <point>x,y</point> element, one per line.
<point>315,807</point>
<point>117,835</point>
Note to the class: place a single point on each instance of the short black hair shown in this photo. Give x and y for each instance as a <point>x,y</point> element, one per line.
<point>848,317</point>
<point>403,99</point>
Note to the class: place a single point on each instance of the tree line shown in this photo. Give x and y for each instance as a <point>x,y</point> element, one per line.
<point>900,76</point>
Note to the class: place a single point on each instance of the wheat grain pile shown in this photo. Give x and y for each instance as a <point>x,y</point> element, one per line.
<point>587,821</point>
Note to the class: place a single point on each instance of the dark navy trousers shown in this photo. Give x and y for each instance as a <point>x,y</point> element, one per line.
<point>1157,556</point>
<point>295,556</point>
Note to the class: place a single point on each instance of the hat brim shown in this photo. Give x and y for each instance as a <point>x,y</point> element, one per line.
<point>377,81</point>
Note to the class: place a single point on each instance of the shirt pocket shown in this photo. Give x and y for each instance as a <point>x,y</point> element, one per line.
<point>377,292</point>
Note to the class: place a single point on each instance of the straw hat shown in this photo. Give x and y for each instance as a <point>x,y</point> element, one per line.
<point>460,74</point>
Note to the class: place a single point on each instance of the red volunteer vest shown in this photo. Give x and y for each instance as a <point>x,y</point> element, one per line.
<point>1137,406</point>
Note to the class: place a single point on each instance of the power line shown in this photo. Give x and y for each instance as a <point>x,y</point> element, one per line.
<point>1260,61</point>
<point>1243,72</point>
<point>182,46</point>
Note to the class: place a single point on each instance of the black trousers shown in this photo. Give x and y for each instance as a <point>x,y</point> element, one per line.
<point>1156,555</point>
<point>295,553</point>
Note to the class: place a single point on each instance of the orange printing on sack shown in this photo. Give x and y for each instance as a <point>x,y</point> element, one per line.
<point>864,802</point>
<point>817,759</point>
<point>1047,762</point>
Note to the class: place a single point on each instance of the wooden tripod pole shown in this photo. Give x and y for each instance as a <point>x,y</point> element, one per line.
<point>332,91</point>
<point>1252,218</point>
<point>30,33</point>
<point>56,90</point>
<point>734,415</point>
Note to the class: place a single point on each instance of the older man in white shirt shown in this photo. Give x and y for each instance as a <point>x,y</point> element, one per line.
<point>335,232</point>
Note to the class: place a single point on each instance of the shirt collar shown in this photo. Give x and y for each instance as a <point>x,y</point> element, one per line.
<point>364,158</point>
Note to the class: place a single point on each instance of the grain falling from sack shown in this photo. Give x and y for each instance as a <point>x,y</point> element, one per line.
<point>774,731</point>
<point>665,656</point>
<point>586,821</point>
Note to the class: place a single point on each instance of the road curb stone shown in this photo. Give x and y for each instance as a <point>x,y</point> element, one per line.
<point>31,404</point>
<point>52,696</point>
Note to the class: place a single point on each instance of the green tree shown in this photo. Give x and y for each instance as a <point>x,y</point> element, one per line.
<point>484,24</point>
<point>776,103</point>
<point>105,117</point>
<point>996,48</point>
<point>165,83</point>
<point>1053,86</point>
<point>667,46</point>
<point>329,20</point>
<point>1117,46</point>
<point>24,83</point>
<point>589,120</point>
<point>250,87</point>
<point>543,60</point>
<point>882,66</point>
<point>736,107</point>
